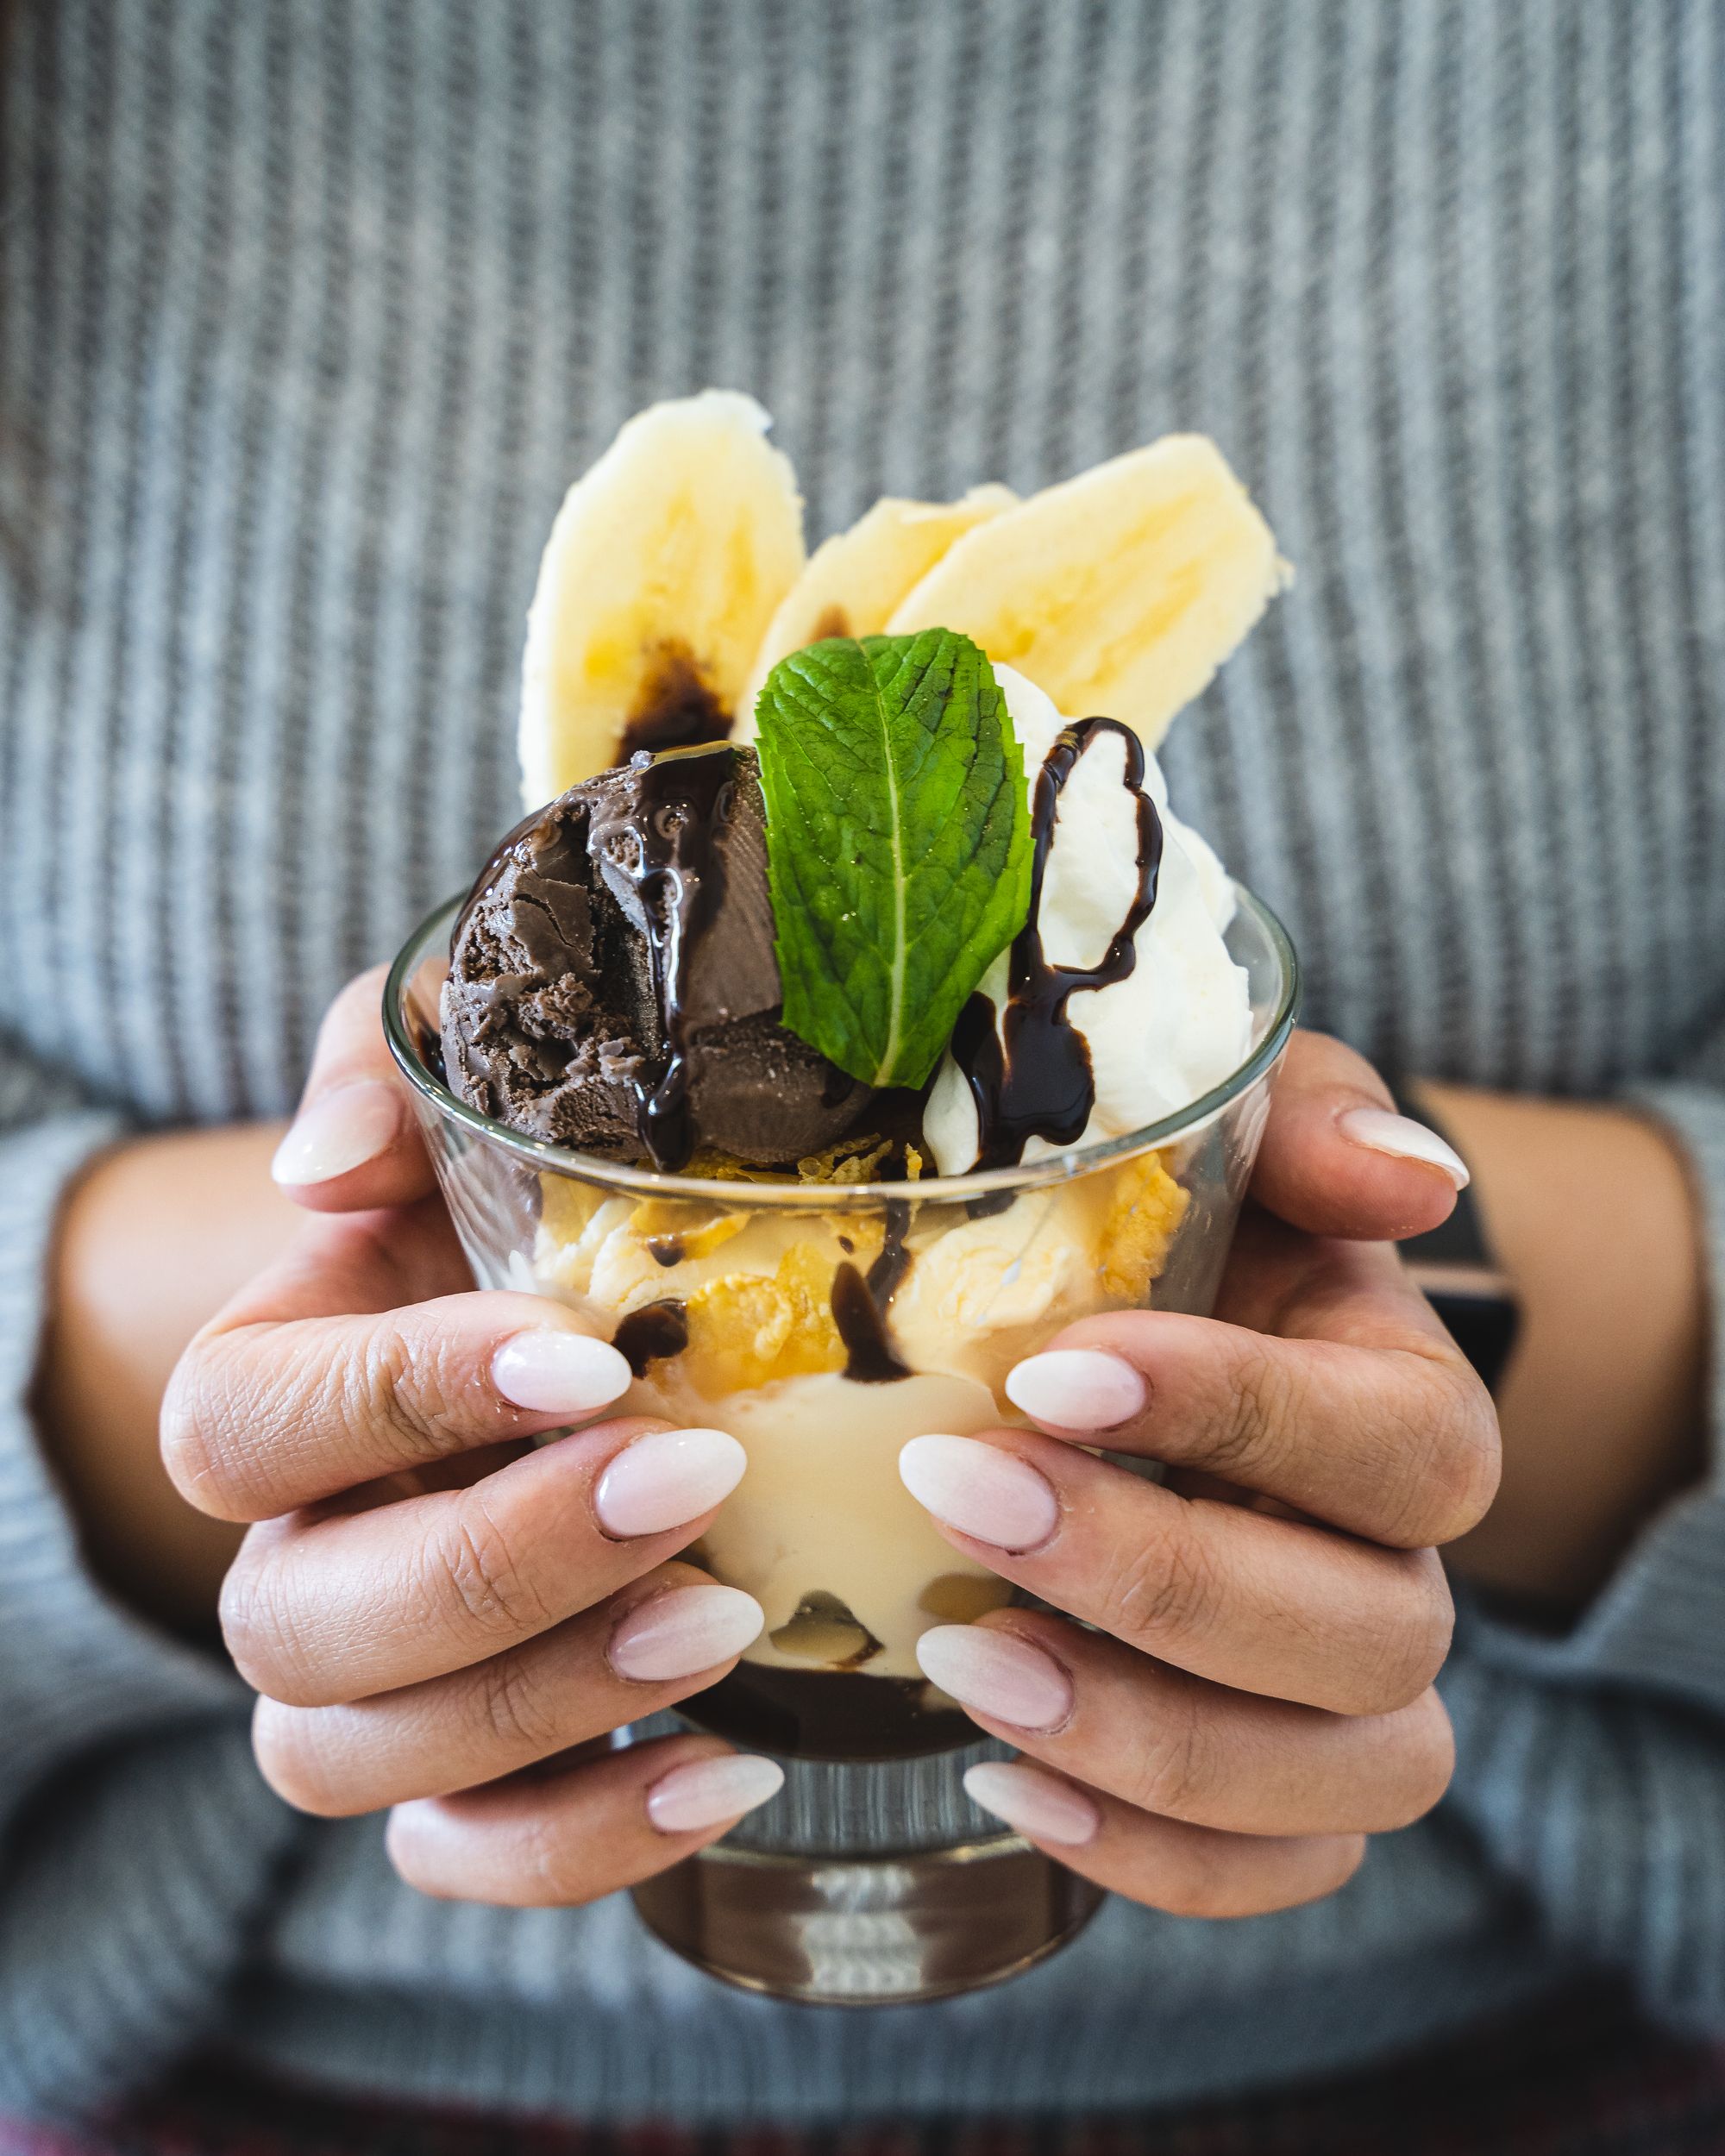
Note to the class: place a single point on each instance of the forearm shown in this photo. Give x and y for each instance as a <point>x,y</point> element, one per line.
<point>1590,1215</point>
<point>152,1241</point>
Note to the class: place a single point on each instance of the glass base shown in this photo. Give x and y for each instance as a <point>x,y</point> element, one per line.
<point>867,1931</point>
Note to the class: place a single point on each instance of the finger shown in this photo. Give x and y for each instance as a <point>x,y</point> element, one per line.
<point>1170,1743</point>
<point>263,1418</point>
<point>1365,1413</point>
<point>1265,1605</point>
<point>319,1611</point>
<point>1337,1158</point>
<point>556,1842</point>
<point>1163,1862</point>
<point>354,1143</point>
<point>668,1635</point>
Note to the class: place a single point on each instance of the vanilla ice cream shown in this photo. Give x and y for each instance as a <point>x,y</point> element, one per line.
<point>1181,1021</point>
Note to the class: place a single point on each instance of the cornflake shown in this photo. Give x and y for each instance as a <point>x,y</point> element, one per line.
<point>749,1329</point>
<point>1146,1206</point>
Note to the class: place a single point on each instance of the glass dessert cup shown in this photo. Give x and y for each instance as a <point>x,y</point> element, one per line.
<point>823,1320</point>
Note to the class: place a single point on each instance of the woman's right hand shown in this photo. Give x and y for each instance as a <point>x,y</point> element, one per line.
<point>428,1604</point>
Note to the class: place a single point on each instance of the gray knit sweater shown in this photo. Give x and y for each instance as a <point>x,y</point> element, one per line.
<point>310,310</point>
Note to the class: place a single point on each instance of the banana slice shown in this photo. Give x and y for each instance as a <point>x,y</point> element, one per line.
<point>662,570</point>
<point>854,579</point>
<point>1119,591</point>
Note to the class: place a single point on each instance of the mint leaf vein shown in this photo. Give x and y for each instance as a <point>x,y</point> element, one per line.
<point>898,843</point>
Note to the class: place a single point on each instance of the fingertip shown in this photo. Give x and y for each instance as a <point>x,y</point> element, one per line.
<point>702,1793</point>
<point>353,1149</point>
<point>552,1369</point>
<point>1400,1138</point>
<point>1341,1166</point>
<point>337,1131</point>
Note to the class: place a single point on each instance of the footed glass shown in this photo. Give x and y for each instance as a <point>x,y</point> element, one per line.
<point>823,1320</point>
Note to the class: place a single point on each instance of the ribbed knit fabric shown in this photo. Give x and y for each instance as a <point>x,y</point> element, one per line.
<point>309,310</point>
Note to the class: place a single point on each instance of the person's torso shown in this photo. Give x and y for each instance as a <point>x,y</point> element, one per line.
<point>312,312</point>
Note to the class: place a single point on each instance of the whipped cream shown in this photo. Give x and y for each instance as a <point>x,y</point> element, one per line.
<point>1181,1021</point>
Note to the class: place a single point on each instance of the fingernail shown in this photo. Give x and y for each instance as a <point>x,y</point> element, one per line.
<point>998,1674</point>
<point>556,1373</point>
<point>683,1632</point>
<point>665,1477</point>
<point>1077,1389</point>
<point>980,1490</point>
<point>1404,1140</point>
<point>709,1790</point>
<point>337,1131</point>
<point>1035,1803</point>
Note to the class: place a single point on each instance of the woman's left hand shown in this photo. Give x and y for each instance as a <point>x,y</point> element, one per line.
<point>1255,1696</point>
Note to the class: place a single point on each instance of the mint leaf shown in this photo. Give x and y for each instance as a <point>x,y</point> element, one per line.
<point>898,843</point>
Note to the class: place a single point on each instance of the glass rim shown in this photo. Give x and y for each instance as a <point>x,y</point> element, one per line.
<point>651,1182</point>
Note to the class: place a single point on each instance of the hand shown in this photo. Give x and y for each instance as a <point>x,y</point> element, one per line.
<point>1256,1696</point>
<point>431,1606</point>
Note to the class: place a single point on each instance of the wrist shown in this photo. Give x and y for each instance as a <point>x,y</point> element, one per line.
<point>152,1239</point>
<point>1589,1214</point>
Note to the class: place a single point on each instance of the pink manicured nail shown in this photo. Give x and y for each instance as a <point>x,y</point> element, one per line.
<point>339,1131</point>
<point>980,1490</point>
<point>1036,1803</point>
<point>998,1674</point>
<point>665,1477</point>
<point>552,1372</point>
<point>709,1790</point>
<point>683,1632</point>
<point>1077,1389</point>
<point>1404,1140</point>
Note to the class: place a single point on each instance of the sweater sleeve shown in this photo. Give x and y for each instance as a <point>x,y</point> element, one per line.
<point>1593,1766</point>
<point>135,1840</point>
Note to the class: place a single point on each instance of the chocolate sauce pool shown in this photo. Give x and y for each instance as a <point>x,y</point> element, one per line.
<point>656,1330</point>
<point>1032,1077</point>
<point>829,1713</point>
<point>859,1305</point>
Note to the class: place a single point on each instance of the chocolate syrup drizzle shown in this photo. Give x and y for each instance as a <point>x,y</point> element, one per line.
<point>678,876</point>
<point>657,1329</point>
<point>859,1305</point>
<point>1031,1078</point>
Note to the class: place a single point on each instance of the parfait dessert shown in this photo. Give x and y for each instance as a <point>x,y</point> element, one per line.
<point>851,1010</point>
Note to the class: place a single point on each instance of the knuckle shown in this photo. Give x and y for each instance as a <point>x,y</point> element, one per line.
<point>281,1630</point>
<point>411,1860</point>
<point>1205,1883</point>
<point>493,1586</point>
<point>1435,1755</point>
<point>558,1870</point>
<point>1453,1447</point>
<point>200,1419</point>
<point>251,1627</point>
<point>1166,1587</point>
<point>416,1382</point>
<point>1169,1771</point>
<point>1335,1865</point>
<point>292,1760</point>
<point>1256,1406</point>
<point>1409,1647</point>
<point>517,1711</point>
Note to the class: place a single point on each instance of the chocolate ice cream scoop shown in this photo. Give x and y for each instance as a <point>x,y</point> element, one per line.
<point>612,985</point>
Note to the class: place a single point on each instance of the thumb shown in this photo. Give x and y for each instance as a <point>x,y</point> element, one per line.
<point>1337,1160</point>
<point>354,1144</point>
